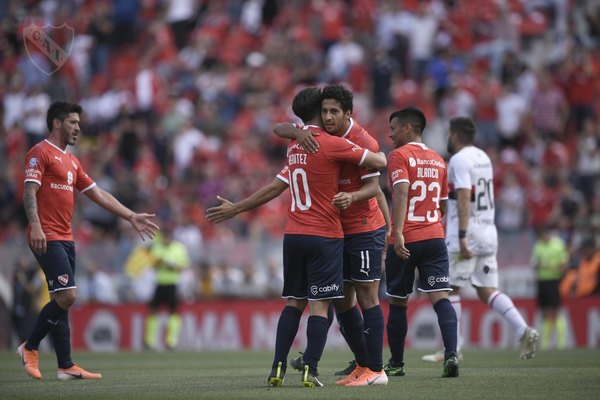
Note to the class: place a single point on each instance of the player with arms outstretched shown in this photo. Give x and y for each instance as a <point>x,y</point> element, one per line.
<point>51,175</point>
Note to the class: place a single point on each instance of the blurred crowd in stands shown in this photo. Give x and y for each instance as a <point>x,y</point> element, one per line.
<point>180,97</point>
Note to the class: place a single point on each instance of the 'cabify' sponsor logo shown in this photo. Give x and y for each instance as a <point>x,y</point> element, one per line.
<point>432,280</point>
<point>314,289</point>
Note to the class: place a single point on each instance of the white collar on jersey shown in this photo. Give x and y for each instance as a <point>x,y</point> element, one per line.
<point>349,128</point>
<point>420,144</point>
<point>55,146</point>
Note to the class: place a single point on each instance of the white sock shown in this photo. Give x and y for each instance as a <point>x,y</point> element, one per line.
<point>504,306</point>
<point>455,301</point>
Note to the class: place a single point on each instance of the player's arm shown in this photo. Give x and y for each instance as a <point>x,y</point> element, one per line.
<point>227,209</point>
<point>374,160</point>
<point>343,200</point>
<point>37,238</point>
<point>383,206</point>
<point>463,201</point>
<point>399,204</point>
<point>141,222</point>
<point>443,206</point>
<point>305,137</point>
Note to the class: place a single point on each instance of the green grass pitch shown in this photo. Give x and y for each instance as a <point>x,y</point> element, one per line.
<point>569,374</point>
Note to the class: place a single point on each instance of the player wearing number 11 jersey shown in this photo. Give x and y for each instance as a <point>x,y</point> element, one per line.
<point>313,241</point>
<point>418,179</point>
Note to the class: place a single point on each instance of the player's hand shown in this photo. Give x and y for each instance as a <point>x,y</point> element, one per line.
<point>222,212</point>
<point>399,248</point>
<point>143,225</point>
<point>305,138</point>
<point>384,254</point>
<point>465,253</point>
<point>343,200</point>
<point>37,239</point>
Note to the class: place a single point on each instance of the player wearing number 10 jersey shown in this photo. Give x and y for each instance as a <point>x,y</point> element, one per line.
<point>313,241</point>
<point>418,179</point>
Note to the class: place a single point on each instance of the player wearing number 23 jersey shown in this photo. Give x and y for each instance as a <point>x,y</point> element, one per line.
<point>425,172</point>
<point>418,179</point>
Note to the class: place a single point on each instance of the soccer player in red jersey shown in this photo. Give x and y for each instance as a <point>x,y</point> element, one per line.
<point>51,175</point>
<point>364,216</point>
<point>419,182</point>
<point>313,241</point>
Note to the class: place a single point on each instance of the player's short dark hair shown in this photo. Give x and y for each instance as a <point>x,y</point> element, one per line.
<point>340,94</point>
<point>463,127</point>
<point>411,115</point>
<point>60,110</point>
<point>307,103</point>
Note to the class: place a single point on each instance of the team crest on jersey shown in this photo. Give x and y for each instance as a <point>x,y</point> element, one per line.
<point>63,279</point>
<point>70,178</point>
<point>33,162</point>
<point>412,162</point>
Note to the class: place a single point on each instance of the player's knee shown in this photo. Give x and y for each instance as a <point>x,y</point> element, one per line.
<point>367,295</point>
<point>398,301</point>
<point>344,304</point>
<point>484,293</point>
<point>65,298</point>
<point>300,304</point>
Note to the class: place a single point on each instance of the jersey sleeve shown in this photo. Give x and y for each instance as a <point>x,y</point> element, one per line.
<point>84,182</point>
<point>367,142</point>
<point>339,149</point>
<point>460,175</point>
<point>444,192</point>
<point>35,166</point>
<point>283,175</point>
<point>397,168</point>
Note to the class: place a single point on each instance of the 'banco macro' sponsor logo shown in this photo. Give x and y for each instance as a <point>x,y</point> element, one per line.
<point>48,46</point>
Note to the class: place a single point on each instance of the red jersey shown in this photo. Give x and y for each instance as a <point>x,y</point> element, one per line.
<point>313,181</point>
<point>57,172</point>
<point>362,216</point>
<point>425,172</point>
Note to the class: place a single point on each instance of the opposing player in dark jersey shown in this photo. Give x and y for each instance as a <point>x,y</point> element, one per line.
<point>313,241</point>
<point>419,183</point>
<point>51,175</point>
<point>364,216</point>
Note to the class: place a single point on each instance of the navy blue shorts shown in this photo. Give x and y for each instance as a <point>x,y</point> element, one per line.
<point>362,256</point>
<point>429,257</point>
<point>312,267</point>
<point>58,264</point>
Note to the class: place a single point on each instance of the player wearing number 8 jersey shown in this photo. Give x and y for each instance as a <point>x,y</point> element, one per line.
<point>418,179</point>
<point>471,234</point>
<point>52,174</point>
